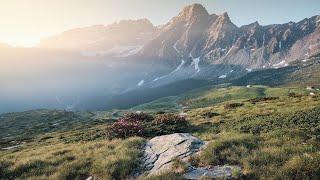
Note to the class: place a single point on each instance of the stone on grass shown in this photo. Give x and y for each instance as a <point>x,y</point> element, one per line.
<point>160,151</point>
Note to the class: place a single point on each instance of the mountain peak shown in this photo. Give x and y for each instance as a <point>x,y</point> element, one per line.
<point>193,10</point>
<point>144,21</point>
<point>225,17</point>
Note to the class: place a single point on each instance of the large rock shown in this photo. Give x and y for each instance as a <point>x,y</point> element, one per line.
<point>160,151</point>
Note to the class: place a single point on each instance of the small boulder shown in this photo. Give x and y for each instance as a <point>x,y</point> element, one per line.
<point>212,172</point>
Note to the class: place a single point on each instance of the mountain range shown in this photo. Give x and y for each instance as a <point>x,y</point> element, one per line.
<point>195,36</point>
<point>132,61</point>
<point>120,37</point>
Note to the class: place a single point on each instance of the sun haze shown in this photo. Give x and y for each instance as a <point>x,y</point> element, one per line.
<point>26,22</point>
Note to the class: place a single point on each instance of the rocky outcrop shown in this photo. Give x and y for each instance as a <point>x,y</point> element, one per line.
<point>159,153</point>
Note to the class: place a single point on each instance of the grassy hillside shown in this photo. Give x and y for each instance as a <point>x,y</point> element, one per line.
<point>24,126</point>
<point>299,73</point>
<point>56,159</point>
<point>212,95</point>
<point>270,132</point>
<point>55,144</point>
<point>276,138</point>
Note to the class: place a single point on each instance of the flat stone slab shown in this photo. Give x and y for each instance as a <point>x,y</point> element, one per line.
<point>214,172</point>
<point>160,151</point>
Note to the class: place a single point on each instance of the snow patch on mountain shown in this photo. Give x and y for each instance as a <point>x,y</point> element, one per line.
<point>140,83</point>
<point>131,52</point>
<point>156,79</point>
<point>12,147</point>
<point>280,45</point>
<point>177,50</point>
<point>283,63</point>
<point>229,51</point>
<point>195,62</point>
<point>174,71</point>
<point>248,69</point>
<point>123,51</point>
<point>222,76</point>
<point>179,67</point>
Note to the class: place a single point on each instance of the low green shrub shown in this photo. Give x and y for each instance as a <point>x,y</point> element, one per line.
<point>301,167</point>
<point>262,99</point>
<point>232,105</point>
<point>209,114</point>
<point>294,95</point>
<point>308,120</point>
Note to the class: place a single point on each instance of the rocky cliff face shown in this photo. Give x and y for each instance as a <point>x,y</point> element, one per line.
<point>214,39</point>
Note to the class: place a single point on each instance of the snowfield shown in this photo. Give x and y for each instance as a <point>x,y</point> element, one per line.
<point>280,64</point>
<point>222,76</point>
<point>140,83</point>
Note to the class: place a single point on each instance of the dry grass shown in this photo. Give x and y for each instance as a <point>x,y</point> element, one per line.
<point>103,159</point>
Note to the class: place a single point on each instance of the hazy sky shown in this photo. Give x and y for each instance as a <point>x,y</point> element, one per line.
<point>25,22</point>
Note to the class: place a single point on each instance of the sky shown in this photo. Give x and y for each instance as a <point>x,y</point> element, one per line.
<point>25,22</point>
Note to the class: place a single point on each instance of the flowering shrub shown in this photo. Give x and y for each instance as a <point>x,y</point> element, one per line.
<point>124,128</point>
<point>169,123</point>
<point>168,119</point>
<point>141,124</point>
<point>136,117</point>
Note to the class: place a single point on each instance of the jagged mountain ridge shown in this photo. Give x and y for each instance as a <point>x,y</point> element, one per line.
<point>214,39</point>
<point>196,36</point>
<point>118,38</point>
<point>198,45</point>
